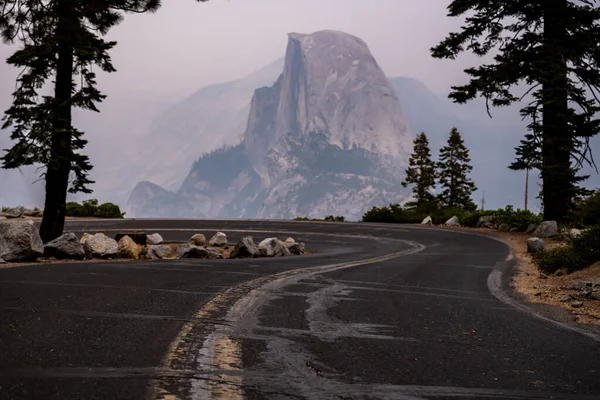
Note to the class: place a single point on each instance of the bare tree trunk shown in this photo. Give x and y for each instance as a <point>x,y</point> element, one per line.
<point>556,145</point>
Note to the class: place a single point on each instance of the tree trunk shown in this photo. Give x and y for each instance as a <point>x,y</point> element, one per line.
<point>556,145</point>
<point>59,167</point>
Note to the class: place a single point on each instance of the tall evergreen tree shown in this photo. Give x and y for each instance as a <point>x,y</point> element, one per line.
<point>551,50</point>
<point>453,169</point>
<point>421,171</point>
<point>61,40</point>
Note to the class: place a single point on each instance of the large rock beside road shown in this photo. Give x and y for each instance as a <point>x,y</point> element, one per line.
<point>535,245</point>
<point>273,247</point>
<point>427,221</point>
<point>84,238</point>
<point>197,240</point>
<point>138,237</point>
<point>32,213</point>
<point>127,248</point>
<point>20,241</point>
<point>219,239</point>
<point>65,247</point>
<point>245,248</point>
<point>187,250</point>
<point>101,246</point>
<point>453,221</point>
<point>12,213</point>
<point>154,239</point>
<point>296,249</point>
<point>159,252</point>
<point>546,229</point>
<point>487,221</point>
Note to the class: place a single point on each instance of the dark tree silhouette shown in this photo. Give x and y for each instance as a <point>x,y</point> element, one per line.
<point>421,172</point>
<point>60,40</point>
<point>551,48</point>
<point>453,170</point>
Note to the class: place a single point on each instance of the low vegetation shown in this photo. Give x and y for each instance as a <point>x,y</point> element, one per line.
<point>90,208</point>
<point>329,218</point>
<point>580,252</point>
<point>586,211</point>
<point>516,220</point>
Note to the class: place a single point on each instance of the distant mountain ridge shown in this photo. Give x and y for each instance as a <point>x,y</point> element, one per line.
<point>326,138</point>
<point>217,115</point>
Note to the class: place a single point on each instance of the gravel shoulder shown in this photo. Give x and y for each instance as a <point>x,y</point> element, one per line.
<point>538,289</point>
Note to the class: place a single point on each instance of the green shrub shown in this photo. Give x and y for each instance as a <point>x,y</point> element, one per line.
<point>470,219</point>
<point>394,213</point>
<point>90,208</point>
<point>580,253</point>
<point>587,245</point>
<point>519,219</point>
<point>550,261</point>
<point>109,210</point>
<point>586,212</point>
<point>75,210</point>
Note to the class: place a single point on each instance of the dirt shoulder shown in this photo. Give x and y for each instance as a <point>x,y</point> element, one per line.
<point>536,288</point>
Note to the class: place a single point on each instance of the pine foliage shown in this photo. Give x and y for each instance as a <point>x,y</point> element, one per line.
<point>421,171</point>
<point>552,49</point>
<point>453,170</point>
<point>62,45</point>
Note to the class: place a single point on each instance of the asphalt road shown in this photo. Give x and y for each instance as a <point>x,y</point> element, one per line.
<point>376,312</point>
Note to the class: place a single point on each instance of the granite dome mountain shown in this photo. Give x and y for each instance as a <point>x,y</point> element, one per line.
<point>329,136</point>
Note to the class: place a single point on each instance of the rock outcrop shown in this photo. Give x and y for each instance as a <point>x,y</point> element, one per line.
<point>159,252</point>
<point>245,248</point>
<point>327,138</point>
<point>66,247</point>
<point>219,239</point>
<point>154,239</point>
<point>20,241</point>
<point>273,247</point>
<point>535,245</point>
<point>187,250</point>
<point>100,246</point>
<point>128,248</point>
<point>546,229</point>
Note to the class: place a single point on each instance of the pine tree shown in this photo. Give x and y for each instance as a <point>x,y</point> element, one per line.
<point>550,50</point>
<point>421,172</point>
<point>61,40</point>
<point>453,169</point>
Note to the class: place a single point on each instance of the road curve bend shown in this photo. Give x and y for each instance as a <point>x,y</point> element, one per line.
<point>376,312</point>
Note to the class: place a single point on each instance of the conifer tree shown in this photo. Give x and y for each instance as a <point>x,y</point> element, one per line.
<point>421,172</point>
<point>453,169</point>
<point>549,49</point>
<point>61,41</point>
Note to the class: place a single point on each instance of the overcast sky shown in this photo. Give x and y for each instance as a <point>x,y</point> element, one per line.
<point>187,44</point>
<point>162,58</point>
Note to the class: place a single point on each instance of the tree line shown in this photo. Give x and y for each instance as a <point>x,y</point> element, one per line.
<point>450,173</point>
<point>545,51</point>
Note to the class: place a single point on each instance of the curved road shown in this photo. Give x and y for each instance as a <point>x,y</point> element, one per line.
<point>376,312</point>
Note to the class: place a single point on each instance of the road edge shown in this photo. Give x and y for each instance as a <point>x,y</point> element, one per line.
<point>498,283</point>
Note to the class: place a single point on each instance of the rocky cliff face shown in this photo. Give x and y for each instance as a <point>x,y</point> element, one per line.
<point>329,137</point>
